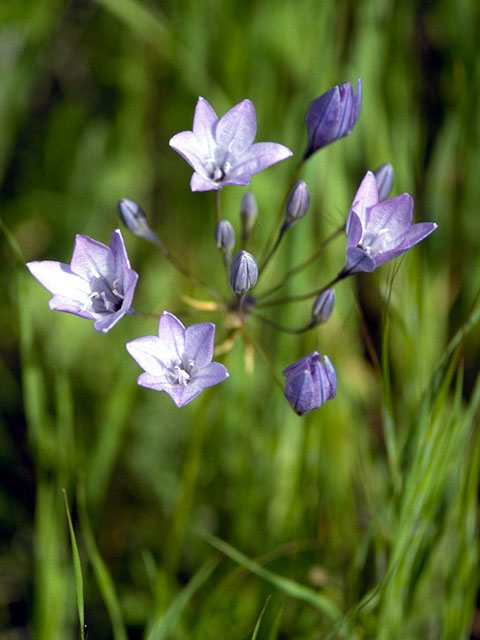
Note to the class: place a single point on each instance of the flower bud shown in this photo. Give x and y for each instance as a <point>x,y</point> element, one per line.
<point>384,177</point>
<point>310,382</point>
<point>297,204</point>
<point>243,272</point>
<point>332,116</point>
<point>248,214</point>
<point>133,217</point>
<point>225,237</point>
<point>323,306</point>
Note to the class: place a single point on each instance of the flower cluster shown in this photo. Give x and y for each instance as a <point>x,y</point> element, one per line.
<point>99,283</point>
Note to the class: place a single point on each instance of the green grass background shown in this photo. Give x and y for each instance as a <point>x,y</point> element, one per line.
<point>233,517</point>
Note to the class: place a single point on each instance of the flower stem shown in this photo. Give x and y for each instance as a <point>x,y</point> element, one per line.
<point>305,296</point>
<point>265,358</point>
<point>272,250</point>
<point>217,206</point>
<point>283,328</point>
<point>304,264</point>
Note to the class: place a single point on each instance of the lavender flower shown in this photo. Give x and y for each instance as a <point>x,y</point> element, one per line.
<point>384,177</point>
<point>134,218</point>
<point>310,382</point>
<point>225,238</point>
<point>179,361</point>
<point>297,204</point>
<point>97,284</point>
<point>379,231</point>
<point>221,151</point>
<point>332,116</point>
<point>243,272</point>
<point>323,306</point>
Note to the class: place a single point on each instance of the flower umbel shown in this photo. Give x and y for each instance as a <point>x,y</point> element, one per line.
<point>179,360</point>
<point>97,284</point>
<point>332,116</point>
<point>379,231</point>
<point>310,382</point>
<point>222,151</point>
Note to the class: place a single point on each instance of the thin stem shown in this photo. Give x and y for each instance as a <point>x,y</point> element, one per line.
<point>218,206</point>
<point>281,208</point>
<point>283,328</point>
<point>174,261</point>
<point>272,251</point>
<point>305,296</point>
<point>304,264</point>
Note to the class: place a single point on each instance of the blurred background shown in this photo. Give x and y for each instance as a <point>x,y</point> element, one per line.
<point>90,93</point>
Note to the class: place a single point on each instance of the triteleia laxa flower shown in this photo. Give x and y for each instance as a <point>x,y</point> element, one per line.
<point>222,151</point>
<point>379,231</point>
<point>179,360</point>
<point>332,116</point>
<point>243,272</point>
<point>310,382</point>
<point>97,284</point>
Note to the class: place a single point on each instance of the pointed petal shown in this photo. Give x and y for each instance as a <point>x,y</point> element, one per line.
<point>358,102</point>
<point>236,130</point>
<point>366,196</point>
<point>210,375</point>
<point>61,303</point>
<point>150,354</point>
<point>394,214</point>
<point>204,122</point>
<point>182,395</point>
<point>186,144</point>
<point>354,230</point>
<point>57,277</point>
<point>105,323</point>
<point>199,343</point>
<point>172,334</point>
<point>260,156</point>
<point>92,259</point>
<point>199,183</point>
<point>158,383</point>
<point>413,236</point>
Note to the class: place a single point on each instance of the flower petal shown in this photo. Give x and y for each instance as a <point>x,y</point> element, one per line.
<point>236,130</point>
<point>204,122</point>
<point>92,259</point>
<point>186,144</point>
<point>359,260</point>
<point>172,334</point>
<point>105,323</point>
<point>150,354</point>
<point>199,183</point>
<point>260,156</point>
<point>199,343</point>
<point>210,375</point>
<point>366,197</point>
<point>394,214</point>
<point>57,277</point>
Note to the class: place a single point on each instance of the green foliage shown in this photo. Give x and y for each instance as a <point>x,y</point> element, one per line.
<point>356,521</point>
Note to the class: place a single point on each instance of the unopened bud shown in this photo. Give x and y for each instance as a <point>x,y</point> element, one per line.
<point>243,272</point>
<point>384,177</point>
<point>225,237</point>
<point>323,306</point>
<point>297,204</point>
<point>248,214</point>
<point>133,217</point>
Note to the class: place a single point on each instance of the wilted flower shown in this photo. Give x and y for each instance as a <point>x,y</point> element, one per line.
<point>97,284</point>
<point>179,360</point>
<point>243,272</point>
<point>221,151</point>
<point>323,306</point>
<point>332,116</point>
<point>310,382</point>
<point>384,177</point>
<point>379,231</point>
<point>133,217</point>
<point>225,237</point>
<point>297,204</point>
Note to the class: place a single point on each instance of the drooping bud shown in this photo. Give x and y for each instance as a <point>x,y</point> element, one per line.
<point>310,382</point>
<point>297,204</point>
<point>133,217</point>
<point>384,177</point>
<point>243,272</point>
<point>248,214</point>
<point>332,116</point>
<point>323,306</point>
<point>225,238</point>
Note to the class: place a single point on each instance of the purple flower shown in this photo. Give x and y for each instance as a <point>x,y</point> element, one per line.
<point>243,272</point>
<point>332,116</point>
<point>310,382</point>
<point>221,151</point>
<point>379,231</point>
<point>97,284</point>
<point>179,361</point>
